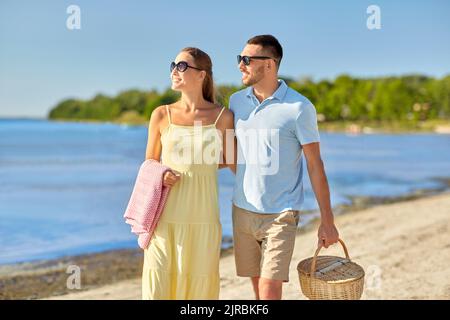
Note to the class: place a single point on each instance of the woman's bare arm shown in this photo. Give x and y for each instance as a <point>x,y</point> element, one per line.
<point>154,147</point>
<point>227,129</point>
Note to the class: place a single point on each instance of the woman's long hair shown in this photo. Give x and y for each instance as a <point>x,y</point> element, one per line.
<point>203,61</point>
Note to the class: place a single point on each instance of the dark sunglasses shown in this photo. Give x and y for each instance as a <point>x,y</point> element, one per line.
<point>246,59</point>
<point>181,66</point>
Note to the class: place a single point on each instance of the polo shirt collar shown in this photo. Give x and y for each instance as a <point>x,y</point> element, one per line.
<point>279,94</point>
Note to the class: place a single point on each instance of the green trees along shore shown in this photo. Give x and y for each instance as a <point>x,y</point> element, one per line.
<point>400,102</point>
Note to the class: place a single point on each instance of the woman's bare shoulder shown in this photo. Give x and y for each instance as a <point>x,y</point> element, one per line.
<point>227,113</point>
<point>159,118</point>
<point>226,120</point>
<point>160,113</point>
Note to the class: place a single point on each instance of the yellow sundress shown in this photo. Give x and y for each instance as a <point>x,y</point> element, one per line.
<point>182,259</point>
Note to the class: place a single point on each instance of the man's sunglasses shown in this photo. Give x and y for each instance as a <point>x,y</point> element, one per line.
<point>246,59</point>
<point>181,66</point>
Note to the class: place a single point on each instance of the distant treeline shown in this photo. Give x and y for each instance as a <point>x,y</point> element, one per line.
<point>413,97</point>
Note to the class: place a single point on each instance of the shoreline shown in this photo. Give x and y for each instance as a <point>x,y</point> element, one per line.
<point>437,126</point>
<point>47,278</point>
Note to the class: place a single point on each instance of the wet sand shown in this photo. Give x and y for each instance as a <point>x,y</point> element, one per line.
<point>404,248</point>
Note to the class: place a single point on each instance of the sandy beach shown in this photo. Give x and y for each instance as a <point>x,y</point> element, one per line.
<point>404,248</point>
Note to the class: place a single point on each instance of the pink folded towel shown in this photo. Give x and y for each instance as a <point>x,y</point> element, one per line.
<point>147,201</point>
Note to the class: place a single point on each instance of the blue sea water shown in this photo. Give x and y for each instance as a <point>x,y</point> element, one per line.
<point>64,186</point>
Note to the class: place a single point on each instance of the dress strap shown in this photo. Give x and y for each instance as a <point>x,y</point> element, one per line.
<point>223,108</point>
<point>168,113</point>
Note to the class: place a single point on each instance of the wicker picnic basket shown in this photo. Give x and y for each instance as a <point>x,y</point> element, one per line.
<point>336,278</point>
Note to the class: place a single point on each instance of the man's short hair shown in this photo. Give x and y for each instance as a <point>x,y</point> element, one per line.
<point>269,43</point>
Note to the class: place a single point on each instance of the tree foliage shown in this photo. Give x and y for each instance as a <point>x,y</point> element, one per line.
<point>411,97</point>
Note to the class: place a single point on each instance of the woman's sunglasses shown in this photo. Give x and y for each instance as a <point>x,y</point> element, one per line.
<point>246,59</point>
<point>181,66</point>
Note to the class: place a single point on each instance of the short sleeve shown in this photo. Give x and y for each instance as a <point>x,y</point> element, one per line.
<point>306,125</point>
<point>231,103</point>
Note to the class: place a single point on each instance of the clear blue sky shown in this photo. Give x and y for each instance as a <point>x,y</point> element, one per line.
<point>129,44</point>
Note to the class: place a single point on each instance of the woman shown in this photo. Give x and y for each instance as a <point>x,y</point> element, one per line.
<point>182,259</point>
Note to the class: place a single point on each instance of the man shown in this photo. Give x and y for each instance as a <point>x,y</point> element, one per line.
<point>274,124</point>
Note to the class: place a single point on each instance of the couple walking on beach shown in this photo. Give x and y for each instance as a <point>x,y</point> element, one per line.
<point>260,137</point>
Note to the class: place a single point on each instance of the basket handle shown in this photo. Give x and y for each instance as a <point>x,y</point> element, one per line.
<point>313,264</point>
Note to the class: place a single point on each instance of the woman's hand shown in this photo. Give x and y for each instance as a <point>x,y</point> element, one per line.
<point>170,178</point>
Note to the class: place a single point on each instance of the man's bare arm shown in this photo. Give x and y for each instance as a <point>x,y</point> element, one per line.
<point>327,232</point>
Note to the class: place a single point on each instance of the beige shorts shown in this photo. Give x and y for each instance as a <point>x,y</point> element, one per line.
<point>264,243</point>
